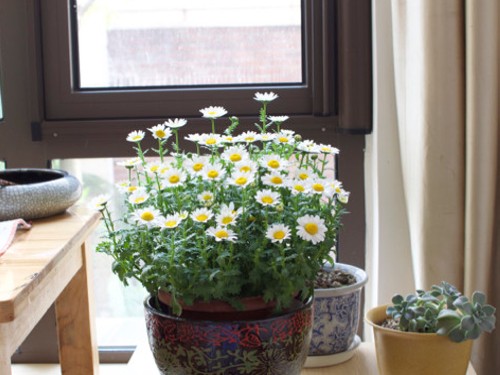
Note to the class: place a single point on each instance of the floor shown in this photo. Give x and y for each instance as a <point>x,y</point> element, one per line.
<point>50,369</point>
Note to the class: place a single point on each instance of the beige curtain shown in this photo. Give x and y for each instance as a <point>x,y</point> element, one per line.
<point>445,66</point>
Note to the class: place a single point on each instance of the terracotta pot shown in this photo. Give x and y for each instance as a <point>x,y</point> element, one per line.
<point>336,320</point>
<point>275,345</point>
<point>253,308</point>
<point>413,353</point>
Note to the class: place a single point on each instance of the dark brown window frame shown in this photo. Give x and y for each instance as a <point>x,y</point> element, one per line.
<point>336,94</point>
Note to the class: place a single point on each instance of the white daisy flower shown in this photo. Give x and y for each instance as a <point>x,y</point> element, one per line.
<point>311,228</point>
<point>222,234</point>
<point>327,149</point>
<point>163,169</point>
<point>135,136</point>
<point>99,202</point>
<point>227,138</point>
<point>193,138</point>
<point>213,172</point>
<point>211,140</point>
<point>235,154</point>
<point>226,216</point>
<point>129,163</point>
<point>248,166</point>
<point>248,137</point>
<point>308,146</point>
<point>202,215</point>
<point>148,216</point>
<point>265,97</point>
<point>279,119</point>
<point>318,186</point>
<point>241,178</point>
<point>343,197</point>
<point>278,233</point>
<point>288,131</point>
<point>305,174</point>
<point>138,197</point>
<point>174,177</point>
<point>183,214</point>
<point>196,164</point>
<point>206,198</point>
<point>153,167</point>
<point>266,137</point>
<point>268,197</point>
<point>231,208</point>
<point>297,186</point>
<point>171,221</point>
<point>159,132</point>
<point>283,138</point>
<point>175,123</point>
<point>273,162</point>
<point>273,179</point>
<point>213,112</point>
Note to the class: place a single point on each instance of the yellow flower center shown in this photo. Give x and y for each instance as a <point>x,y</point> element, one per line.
<point>207,197</point>
<point>299,188</point>
<point>132,189</point>
<point>211,141</point>
<point>245,168</point>
<point>160,134</point>
<point>202,217</point>
<point>136,138</point>
<point>139,200</point>
<point>213,174</point>
<point>283,139</point>
<point>318,187</point>
<point>170,223</point>
<point>227,220</point>
<point>235,157</point>
<point>277,180</point>
<point>303,176</point>
<point>273,164</point>
<point>197,167</point>
<point>174,179</point>
<point>311,228</point>
<point>222,233</point>
<point>267,199</point>
<point>147,216</point>
<point>212,113</point>
<point>279,235</point>
<point>249,139</point>
<point>241,180</point>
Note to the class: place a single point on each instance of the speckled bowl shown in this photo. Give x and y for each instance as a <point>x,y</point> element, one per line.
<point>37,193</point>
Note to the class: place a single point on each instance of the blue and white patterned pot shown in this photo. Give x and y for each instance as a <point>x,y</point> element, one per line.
<point>336,318</point>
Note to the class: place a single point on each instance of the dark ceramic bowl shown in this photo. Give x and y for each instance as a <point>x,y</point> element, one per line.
<point>36,193</point>
<point>277,345</point>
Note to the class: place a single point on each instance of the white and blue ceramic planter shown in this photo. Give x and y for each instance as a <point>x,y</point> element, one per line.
<point>336,319</point>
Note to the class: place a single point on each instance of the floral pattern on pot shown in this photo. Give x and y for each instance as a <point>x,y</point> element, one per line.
<point>336,321</point>
<point>276,345</point>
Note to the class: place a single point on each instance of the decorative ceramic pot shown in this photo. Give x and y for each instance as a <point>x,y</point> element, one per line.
<point>413,353</point>
<point>276,345</point>
<point>35,193</point>
<point>336,320</point>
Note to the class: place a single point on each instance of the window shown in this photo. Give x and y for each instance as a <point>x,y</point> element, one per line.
<point>76,118</point>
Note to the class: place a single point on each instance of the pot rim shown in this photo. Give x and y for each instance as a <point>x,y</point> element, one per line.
<point>147,305</point>
<point>58,174</point>
<point>361,280</point>
<point>376,325</point>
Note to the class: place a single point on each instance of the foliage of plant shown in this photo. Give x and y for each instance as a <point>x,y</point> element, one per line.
<point>250,214</point>
<point>445,311</point>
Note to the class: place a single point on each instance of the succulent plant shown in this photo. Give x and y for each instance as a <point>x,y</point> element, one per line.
<point>445,311</point>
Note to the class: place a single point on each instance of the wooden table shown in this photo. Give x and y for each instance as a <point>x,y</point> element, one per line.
<point>44,265</point>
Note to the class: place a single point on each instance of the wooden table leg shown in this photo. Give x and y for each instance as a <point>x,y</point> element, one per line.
<point>5,364</point>
<point>75,324</point>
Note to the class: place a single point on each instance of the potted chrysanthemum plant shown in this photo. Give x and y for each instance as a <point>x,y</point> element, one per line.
<point>248,217</point>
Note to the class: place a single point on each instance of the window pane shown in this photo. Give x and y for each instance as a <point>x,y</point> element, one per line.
<point>119,309</point>
<point>127,43</point>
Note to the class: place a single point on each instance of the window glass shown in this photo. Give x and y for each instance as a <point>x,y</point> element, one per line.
<point>130,43</point>
<point>119,309</point>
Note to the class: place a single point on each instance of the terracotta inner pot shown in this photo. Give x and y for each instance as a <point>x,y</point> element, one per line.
<point>253,308</point>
